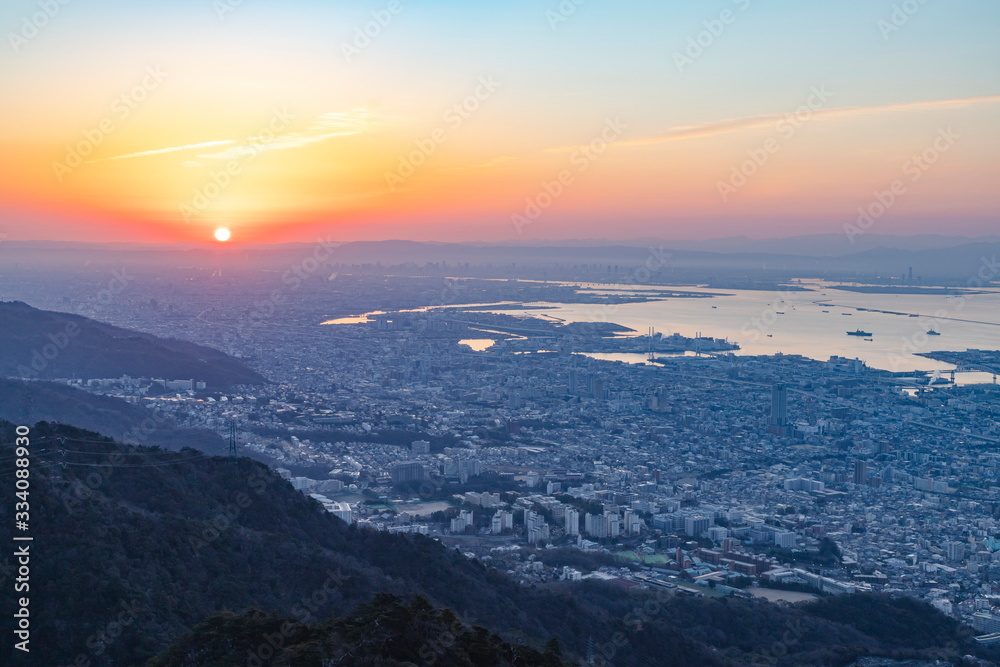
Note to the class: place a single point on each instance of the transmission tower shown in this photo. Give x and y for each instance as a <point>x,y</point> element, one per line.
<point>232,437</point>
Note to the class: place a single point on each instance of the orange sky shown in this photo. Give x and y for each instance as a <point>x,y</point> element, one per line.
<point>441,128</point>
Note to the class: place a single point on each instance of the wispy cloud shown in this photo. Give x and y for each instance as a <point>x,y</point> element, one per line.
<point>749,122</point>
<point>326,126</point>
<point>160,151</point>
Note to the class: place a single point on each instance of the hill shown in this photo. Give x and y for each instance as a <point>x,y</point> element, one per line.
<point>385,632</point>
<point>30,402</point>
<point>42,344</point>
<point>135,548</point>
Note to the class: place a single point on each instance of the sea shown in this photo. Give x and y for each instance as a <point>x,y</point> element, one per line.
<point>812,321</point>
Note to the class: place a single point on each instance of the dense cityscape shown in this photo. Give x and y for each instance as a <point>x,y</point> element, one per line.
<point>695,470</point>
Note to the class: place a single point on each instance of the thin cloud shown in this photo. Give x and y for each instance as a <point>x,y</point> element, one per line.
<point>326,126</point>
<point>748,122</point>
<point>160,151</point>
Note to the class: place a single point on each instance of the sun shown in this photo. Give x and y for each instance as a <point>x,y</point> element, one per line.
<point>222,234</point>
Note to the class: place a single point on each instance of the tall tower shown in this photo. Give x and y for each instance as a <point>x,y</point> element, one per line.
<point>860,472</point>
<point>778,423</point>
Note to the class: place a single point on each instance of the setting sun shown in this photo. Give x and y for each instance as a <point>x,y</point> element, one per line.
<point>222,234</point>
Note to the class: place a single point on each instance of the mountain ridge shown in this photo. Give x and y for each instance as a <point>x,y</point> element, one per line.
<point>43,344</point>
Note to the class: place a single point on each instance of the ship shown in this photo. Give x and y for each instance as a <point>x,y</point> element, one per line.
<point>859,332</point>
<point>933,333</point>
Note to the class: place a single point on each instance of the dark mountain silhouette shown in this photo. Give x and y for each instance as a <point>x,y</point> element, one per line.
<point>136,547</point>
<point>42,344</point>
<point>28,402</point>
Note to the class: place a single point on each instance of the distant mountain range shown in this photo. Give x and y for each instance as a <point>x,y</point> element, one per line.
<point>41,344</point>
<point>810,245</point>
<point>933,257</point>
<point>829,245</point>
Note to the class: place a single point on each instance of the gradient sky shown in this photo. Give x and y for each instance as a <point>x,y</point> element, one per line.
<point>204,81</point>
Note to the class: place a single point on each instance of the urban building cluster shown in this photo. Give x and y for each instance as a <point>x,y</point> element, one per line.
<point>718,469</point>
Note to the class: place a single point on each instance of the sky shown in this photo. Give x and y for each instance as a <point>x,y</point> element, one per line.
<point>513,120</point>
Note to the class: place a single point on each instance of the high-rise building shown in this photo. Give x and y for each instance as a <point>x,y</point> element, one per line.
<point>955,551</point>
<point>501,521</point>
<point>462,521</point>
<point>572,521</point>
<point>407,471</point>
<point>696,525</point>
<point>718,533</point>
<point>985,622</point>
<point>784,539</point>
<point>778,422</point>
<point>574,381</point>
<point>535,527</point>
<point>860,472</point>
<point>596,525</point>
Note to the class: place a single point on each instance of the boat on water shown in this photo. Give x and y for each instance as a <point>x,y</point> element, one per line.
<point>933,333</point>
<point>847,313</point>
<point>826,311</point>
<point>859,332</point>
<point>869,339</point>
